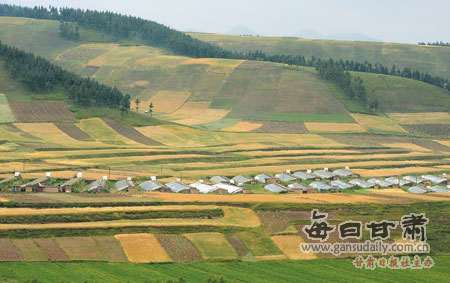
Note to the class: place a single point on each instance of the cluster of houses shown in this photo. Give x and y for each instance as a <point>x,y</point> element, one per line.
<point>302,182</point>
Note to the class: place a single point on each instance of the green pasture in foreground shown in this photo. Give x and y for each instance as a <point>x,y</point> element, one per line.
<point>323,270</point>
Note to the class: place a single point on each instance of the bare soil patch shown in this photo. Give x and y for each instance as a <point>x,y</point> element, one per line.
<point>52,250</point>
<point>273,222</point>
<point>8,252</point>
<point>42,111</point>
<point>73,131</point>
<point>131,133</point>
<point>240,248</point>
<point>179,248</point>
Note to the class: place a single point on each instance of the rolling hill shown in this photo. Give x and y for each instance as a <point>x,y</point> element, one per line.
<point>432,59</point>
<point>216,94</point>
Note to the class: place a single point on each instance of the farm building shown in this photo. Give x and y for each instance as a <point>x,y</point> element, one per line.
<point>380,183</point>
<point>229,188</point>
<point>208,189</point>
<point>439,189</point>
<point>397,182</point>
<point>124,185</point>
<point>297,188</point>
<point>98,186</point>
<point>324,174</point>
<point>154,186</point>
<point>178,187</point>
<point>413,179</point>
<point>240,179</point>
<point>346,173</point>
<point>220,180</point>
<point>284,177</point>
<point>435,179</point>
<point>320,186</point>
<point>303,175</point>
<point>48,189</point>
<point>275,188</point>
<point>67,186</point>
<point>264,178</point>
<point>33,185</point>
<point>361,183</point>
<point>417,190</point>
<point>341,185</point>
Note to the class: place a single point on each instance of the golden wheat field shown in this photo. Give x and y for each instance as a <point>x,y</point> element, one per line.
<point>243,126</point>
<point>142,248</point>
<point>165,102</point>
<point>377,123</point>
<point>421,118</point>
<point>207,116</point>
<point>290,246</point>
<point>188,110</point>
<point>334,127</point>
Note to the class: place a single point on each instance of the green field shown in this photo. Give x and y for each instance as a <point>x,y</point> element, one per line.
<point>6,114</point>
<point>431,59</point>
<point>335,270</point>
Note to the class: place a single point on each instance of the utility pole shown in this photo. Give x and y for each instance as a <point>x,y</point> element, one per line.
<point>109,174</point>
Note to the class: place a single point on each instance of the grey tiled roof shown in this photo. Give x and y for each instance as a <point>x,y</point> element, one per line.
<point>219,179</point>
<point>435,179</point>
<point>230,188</point>
<point>324,174</point>
<point>150,185</point>
<point>417,190</point>
<point>297,186</point>
<point>240,179</point>
<point>320,186</point>
<point>412,179</point>
<point>97,184</point>
<point>397,181</point>
<point>203,188</point>
<point>177,187</point>
<point>343,172</point>
<point>123,184</point>
<point>361,183</point>
<point>274,188</point>
<point>283,177</point>
<point>380,182</point>
<point>303,175</point>
<point>262,178</point>
<point>439,189</point>
<point>341,184</point>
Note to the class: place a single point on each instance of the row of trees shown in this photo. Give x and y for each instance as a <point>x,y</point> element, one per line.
<point>70,31</point>
<point>353,88</point>
<point>437,43</point>
<point>41,76</point>
<point>152,33</point>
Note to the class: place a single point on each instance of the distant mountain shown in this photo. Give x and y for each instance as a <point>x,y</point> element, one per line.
<point>312,34</point>
<point>241,30</point>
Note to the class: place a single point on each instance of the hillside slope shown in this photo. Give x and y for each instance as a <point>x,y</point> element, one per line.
<point>214,94</point>
<point>432,59</point>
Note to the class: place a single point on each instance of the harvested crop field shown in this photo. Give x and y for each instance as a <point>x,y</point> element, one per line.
<point>408,146</point>
<point>243,126</point>
<point>238,245</point>
<point>73,131</point>
<point>188,110</point>
<point>179,248</point>
<point>421,118</point>
<point>213,246</point>
<point>29,250</point>
<point>274,222</point>
<point>111,248</point>
<point>207,116</point>
<point>281,127</point>
<point>80,248</point>
<point>290,245</point>
<point>431,130</point>
<point>166,102</point>
<point>377,123</point>
<point>142,248</point>
<point>8,252</point>
<point>51,249</point>
<point>334,127</point>
<point>42,111</point>
<point>131,133</point>
<point>99,130</point>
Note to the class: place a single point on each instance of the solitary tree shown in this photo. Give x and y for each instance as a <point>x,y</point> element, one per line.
<point>137,101</point>
<point>150,108</point>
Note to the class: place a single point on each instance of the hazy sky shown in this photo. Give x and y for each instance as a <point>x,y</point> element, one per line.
<point>408,21</point>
